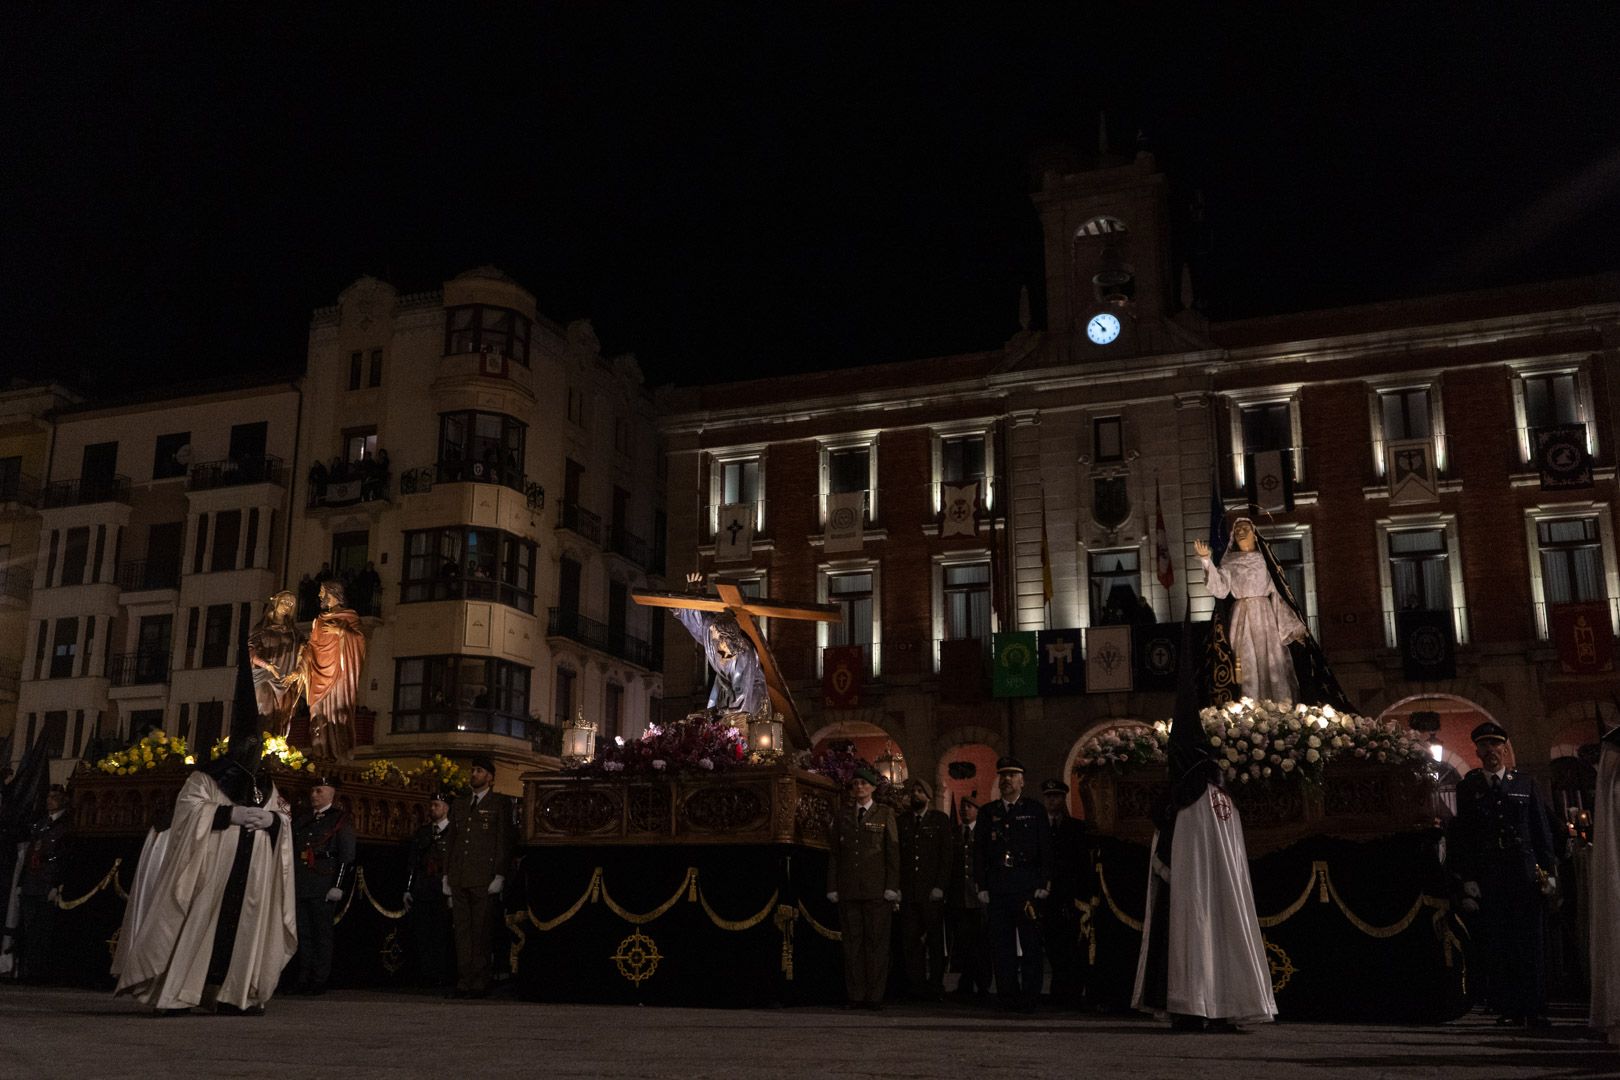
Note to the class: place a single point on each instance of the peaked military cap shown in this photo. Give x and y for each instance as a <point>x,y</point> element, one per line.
<point>1009,765</point>
<point>1489,731</point>
<point>1054,787</point>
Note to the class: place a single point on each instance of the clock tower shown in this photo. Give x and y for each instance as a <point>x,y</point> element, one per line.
<point>1109,278</point>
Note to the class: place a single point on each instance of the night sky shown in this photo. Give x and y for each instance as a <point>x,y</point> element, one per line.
<point>741,190</point>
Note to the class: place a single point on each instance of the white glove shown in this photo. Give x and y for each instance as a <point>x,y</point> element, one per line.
<point>54,895</point>
<point>408,901</point>
<point>1041,894</point>
<point>1550,886</point>
<point>496,884</point>
<point>832,898</point>
<point>445,884</point>
<point>984,896</point>
<point>936,894</point>
<point>333,895</point>
<point>1470,905</point>
<point>892,895</point>
<point>1471,890</point>
<point>251,817</point>
<point>449,901</point>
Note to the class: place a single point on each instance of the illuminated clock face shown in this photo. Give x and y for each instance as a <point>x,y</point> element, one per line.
<point>1103,328</point>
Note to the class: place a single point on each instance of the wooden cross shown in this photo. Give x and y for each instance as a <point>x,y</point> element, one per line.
<point>744,610</point>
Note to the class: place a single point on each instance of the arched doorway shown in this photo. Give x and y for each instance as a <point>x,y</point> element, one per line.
<point>870,741</point>
<point>1450,720</point>
<point>1077,807</point>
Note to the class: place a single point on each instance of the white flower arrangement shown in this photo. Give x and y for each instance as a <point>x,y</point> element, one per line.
<point>1262,740</point>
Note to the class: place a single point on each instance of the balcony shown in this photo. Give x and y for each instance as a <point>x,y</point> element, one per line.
<point>139,668</point>
<point>592,634</point>
<point>580,521</point>
<point>629,546</point>
<point>19,490</point>
<point>16,584</point>
<point>1395,622</point>
<point>140,575</point>
<point>86,492</point>
<point>235,472</point>
<point>366,483</point>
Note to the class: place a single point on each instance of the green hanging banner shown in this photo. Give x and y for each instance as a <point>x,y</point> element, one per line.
<point>1015,664</point>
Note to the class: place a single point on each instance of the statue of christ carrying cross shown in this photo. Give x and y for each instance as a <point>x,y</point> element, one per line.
<point>747,679</point>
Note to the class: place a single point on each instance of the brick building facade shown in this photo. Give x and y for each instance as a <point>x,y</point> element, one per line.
<point>1129,400</point>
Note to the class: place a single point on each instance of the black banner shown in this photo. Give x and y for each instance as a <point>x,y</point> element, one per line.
<point>1562,457</point>
<point>1428,647</point>
<point>1156,651</point>
<point>1060,670</point>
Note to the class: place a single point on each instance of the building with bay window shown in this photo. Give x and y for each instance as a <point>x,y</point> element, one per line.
<point>502,492</point>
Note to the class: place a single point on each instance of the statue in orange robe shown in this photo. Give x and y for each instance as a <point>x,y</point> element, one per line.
<point>328,673</point>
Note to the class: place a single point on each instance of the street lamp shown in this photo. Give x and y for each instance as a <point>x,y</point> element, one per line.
<point>579,741</point>
<point>892,767</point>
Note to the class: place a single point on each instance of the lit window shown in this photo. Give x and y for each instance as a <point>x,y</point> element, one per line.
<point>1116,582</point>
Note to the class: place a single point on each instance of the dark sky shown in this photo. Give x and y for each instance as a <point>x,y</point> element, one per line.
<point>738,190</point>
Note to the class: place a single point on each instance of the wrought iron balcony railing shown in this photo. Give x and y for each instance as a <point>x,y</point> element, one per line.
<point>234,472</point>
<point>562,622</point>
<point>86,492</point>
<point>576,519</point>
<point>138,668</point>
<point>135,575</point>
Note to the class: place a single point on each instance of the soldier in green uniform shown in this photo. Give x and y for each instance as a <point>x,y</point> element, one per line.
<point>323,861</point>
<point>481,847</point>
<point>431,932</point>
<point>926,841</point>
<point>1014,871</point>
<point>863,879</point>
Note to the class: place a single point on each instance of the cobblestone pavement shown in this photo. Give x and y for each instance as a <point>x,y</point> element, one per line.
<point>81,1035</point>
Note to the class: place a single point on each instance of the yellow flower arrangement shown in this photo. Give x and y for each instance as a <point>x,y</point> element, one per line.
<point>384,771</point>
<point>151,751</point>
<point>442,773</point>
<point>276,747</point>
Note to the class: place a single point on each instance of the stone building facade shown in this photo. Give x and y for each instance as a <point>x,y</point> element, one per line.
<point>500,477</point>
<point>1129,401</point>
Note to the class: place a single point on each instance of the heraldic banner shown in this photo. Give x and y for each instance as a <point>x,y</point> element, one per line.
<point>1060,670</point>
<point>843,670</point>
<point>1428,647</point>
<point>734,539</point>
<point>846,522</point>
<point>1015,664</point>
<point>1584,636</point>
<point>1108,659</point>
<point>959,507</point>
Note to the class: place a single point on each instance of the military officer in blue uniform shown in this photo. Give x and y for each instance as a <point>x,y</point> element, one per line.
<point>1013,866</point>
<point>1501,848</point>
<point>323,862</point>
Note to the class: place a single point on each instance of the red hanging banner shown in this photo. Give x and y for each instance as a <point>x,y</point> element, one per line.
<point>843,670</point>
<point>1584,636</point>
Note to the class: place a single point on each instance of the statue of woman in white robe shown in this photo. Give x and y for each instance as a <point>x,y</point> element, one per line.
<point>1262,623</point>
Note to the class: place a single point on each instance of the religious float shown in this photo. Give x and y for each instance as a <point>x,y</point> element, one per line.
<point>688,865</point>
<point>1340,821</point>
<point>118,798</point>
